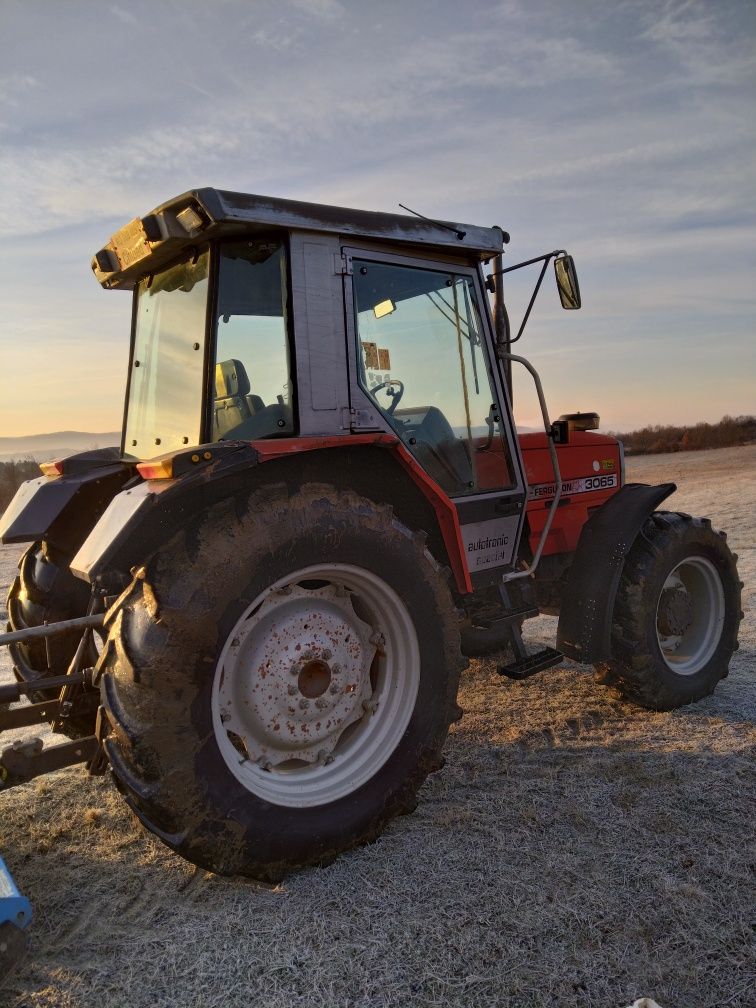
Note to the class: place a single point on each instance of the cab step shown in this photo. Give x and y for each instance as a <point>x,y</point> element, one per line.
<point>509,616</point>
<point>530,664</point>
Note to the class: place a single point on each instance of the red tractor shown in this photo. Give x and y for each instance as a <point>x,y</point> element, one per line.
<point>257,610</point>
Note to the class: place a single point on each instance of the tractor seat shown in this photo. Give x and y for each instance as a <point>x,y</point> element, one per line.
<point>233,401</point>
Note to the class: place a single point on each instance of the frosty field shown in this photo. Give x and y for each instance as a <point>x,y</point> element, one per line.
<point>574,850</point>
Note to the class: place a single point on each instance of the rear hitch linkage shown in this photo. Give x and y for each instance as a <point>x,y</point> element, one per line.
<point>28,758</point>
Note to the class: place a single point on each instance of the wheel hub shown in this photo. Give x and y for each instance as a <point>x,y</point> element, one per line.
<point>296,675</point>
<point>690,615</point>
<point>316,685</point>
<point>675,612</point>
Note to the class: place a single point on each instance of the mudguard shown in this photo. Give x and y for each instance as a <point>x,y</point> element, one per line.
<point>144,516</point>
<point>585,618</point>
<point>65,507</point>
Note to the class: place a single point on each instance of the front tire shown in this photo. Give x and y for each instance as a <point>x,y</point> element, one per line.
<point>280,681</point>
<point>676,615</point>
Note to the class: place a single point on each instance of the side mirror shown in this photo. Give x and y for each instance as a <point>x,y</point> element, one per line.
<point>567,282</point>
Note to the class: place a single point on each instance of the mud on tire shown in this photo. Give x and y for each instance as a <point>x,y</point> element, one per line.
<point>196,679</point>
<point>677,614</point>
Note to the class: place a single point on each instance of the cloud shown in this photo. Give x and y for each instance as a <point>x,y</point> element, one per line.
<point>14,86</point>
<point>324,9</point>
<point>699,38</point>
<point>126,17</point>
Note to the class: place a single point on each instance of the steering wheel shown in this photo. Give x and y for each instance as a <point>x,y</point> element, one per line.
<point>395,396</point>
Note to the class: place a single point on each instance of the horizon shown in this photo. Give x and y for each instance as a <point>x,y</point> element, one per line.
<point>520,427</point>
<point>625,135</point>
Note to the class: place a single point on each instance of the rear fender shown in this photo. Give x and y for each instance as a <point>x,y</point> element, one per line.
<point>143,518</point>
<point>585,618</point>
<point>63,509</point>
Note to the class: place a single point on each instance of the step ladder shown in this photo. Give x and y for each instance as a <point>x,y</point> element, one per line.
<point>525,664</point>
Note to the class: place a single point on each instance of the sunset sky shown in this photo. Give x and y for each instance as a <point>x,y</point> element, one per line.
<point>622,130</point>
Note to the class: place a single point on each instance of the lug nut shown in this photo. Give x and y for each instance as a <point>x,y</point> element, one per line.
<point>321,704</point>
<point>292,691</point>
<point>304,703</point>
<point>327,655</point>
<point>334,689</point>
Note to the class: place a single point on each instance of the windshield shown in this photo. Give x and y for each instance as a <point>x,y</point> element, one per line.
<point>164,410</point>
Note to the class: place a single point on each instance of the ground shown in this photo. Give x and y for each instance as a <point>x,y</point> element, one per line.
<point>573,851</point>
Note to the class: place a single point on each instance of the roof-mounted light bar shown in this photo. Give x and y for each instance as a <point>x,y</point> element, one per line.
<point>142,237</point>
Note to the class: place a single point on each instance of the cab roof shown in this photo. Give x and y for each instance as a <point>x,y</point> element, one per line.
<point>150,242</point>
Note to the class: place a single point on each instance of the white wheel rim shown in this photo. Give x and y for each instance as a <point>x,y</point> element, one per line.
<point>690,615</point>
<point>316,685</point>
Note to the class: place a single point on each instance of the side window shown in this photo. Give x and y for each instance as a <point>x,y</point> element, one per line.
<point>424,365</point>
<point>251,377</point>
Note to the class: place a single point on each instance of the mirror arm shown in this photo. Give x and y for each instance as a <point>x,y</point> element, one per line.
<point>533,296</point>
<point>528,262</point>
<point>545,259</point>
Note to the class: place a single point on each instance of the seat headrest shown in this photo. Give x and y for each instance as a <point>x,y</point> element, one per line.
<point>230,379</point>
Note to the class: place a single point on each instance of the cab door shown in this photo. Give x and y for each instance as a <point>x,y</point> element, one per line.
<point>421,366</point>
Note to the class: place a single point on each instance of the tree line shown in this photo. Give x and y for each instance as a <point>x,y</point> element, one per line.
<point>730,431</point>
<point>12,475</point>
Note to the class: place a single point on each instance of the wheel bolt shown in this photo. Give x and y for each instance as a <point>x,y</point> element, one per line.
<point>321,704</point>
<point>295,669</point>
<point>334,689</point>
<point>292,691</point>
<point>304,703</point>
<point>327,655</point>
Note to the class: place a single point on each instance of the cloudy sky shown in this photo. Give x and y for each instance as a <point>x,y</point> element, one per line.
<point>623,130</point>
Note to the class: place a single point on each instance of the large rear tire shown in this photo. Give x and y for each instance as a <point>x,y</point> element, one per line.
<point>45,591</point>
<point>677,614</point>
<point>280,679</point>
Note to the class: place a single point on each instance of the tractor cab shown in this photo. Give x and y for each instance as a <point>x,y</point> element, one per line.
<point>257,319</point>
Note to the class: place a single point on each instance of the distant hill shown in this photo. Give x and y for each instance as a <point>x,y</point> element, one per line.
<point>41,447</point>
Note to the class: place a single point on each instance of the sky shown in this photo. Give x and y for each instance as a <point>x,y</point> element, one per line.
<point>621,130</point>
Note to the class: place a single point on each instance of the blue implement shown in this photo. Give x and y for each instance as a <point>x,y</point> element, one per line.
<point>15,915</point>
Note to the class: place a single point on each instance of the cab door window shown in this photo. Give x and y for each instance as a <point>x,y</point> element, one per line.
<point>422,361</point>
